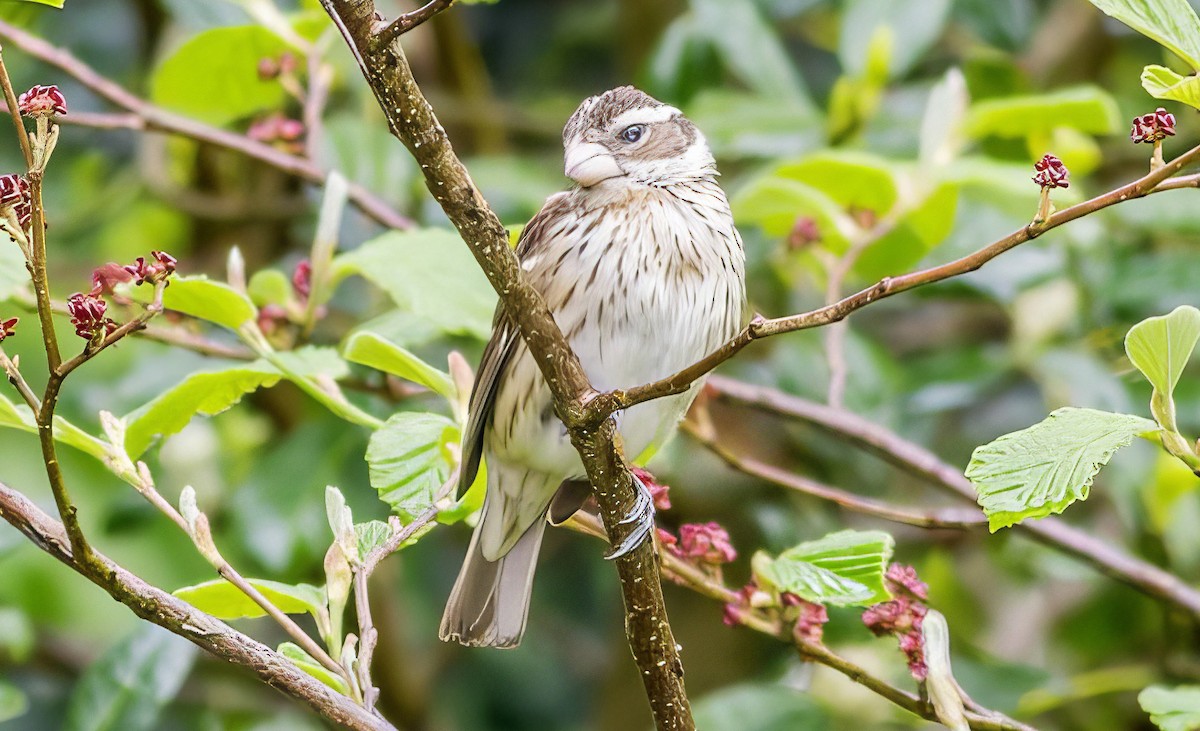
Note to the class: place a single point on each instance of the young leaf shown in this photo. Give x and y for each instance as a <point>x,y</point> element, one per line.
<point>269,287</point>
<point>128,686</point>
<point>19,417</point>
<point>941,125</point>
<point>852,179</point>
<point>844,568</point>
<point>1160,348</point>
<point>1172,709</point>
<point>408,460</point>
<point>1043,469</point>
<point>225,601</point>
<point>1173,23</point>
<point>214,77</point>
<point>370,349</point>
<point>1088,109</point>
<point>371,535</point>
<point>428,272</point>
<point>1163,83</point>
<point>304,661</point>
<point>209,300</point>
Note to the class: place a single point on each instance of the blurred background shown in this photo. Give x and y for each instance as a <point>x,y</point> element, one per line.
<point>825,116</point>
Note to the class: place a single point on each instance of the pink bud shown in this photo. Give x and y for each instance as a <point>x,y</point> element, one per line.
<point>1154,127</point>
<point>1051,173</point>
<point>302,279</point>
<point>42,101</point>
<point>708,542</point>
<point>8,328</point>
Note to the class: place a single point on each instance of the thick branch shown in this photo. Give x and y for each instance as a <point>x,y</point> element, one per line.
<point>918,460</point>
<point>413,122</point>
<point>211,635</point>
<point>147,116</point>
<point>605,404</point>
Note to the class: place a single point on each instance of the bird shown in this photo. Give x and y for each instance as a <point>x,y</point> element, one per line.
<point>644,271</point>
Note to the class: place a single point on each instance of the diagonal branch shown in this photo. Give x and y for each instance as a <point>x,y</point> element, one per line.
<point>606,404</point>
<point>408,21</point>
<point>176,615</point>
<point>144,116</point>
<point>916,459</point>
<point>413,122</point>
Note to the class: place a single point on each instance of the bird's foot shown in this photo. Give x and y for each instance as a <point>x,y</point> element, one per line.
<point>641,515</point>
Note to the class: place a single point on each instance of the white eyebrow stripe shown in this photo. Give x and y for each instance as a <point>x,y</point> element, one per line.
<point>645,116</point>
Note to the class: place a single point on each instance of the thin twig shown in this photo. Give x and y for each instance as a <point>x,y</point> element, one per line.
<point>179,617</point>
<point>92,350</point>
<point>918,460</point>
<point>18,382</point>
<point>950,518</point>
<point>408,21</point>
<point>154,118</point>
<point>601,406</point>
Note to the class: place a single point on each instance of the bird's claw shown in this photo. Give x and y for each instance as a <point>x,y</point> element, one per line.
<point>641,515</point>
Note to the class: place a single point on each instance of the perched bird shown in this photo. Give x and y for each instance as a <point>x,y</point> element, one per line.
<point>645,274</point>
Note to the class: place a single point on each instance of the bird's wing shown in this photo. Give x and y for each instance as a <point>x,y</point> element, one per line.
<point>498,352</point>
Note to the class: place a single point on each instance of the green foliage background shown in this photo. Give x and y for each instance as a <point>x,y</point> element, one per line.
<point>814,108</point>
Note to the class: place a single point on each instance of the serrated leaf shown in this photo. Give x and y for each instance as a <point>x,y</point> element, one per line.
<point>408,460</point>
<point>371,535</point>
<point>13,702</point>
<point>1160,347</point>
<point>207,393</point>
<point>1163,83</point>
<point>214,77</point>
<point>1043,469</point>
<point>223,600</point>
<point>126,689</point>
<point>1172,709</point>
<point>305,662</point>
<point>429,272</point>
<point>371,349</point>
<point>1172,23</point>
<point>844,568</point>
<point>1088,109</point>
<point>209,300</point>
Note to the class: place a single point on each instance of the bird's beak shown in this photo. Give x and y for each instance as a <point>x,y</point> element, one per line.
<point>589,163</point>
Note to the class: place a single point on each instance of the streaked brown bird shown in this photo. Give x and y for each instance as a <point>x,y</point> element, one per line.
<point>645,274</point>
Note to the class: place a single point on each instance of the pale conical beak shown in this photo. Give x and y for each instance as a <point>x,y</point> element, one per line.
<point>588,163</point>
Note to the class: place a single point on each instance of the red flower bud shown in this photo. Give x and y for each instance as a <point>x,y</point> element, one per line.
<point>42,101</point>
<point>14,193</point>
<point>708,542</point>
<point>108,276</point>
<point>87,315</point>
<point>901,578</point>
<point>1051,173</point>
<point>8,328</point>
<point>658,492</point>
<point>302,279</point>
<point>1153,127</point>
<point>810,624</point>
<point>162,266</point>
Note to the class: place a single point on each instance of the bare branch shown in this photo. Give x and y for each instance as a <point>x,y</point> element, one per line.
<point>605,404</point>
<point>154,118</point>
<point>210,634</point>
<point>408,21</point>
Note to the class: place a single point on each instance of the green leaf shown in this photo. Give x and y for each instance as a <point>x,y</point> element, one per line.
<point>1043,469</point>
<point>759,707</point>
<point>855,180</point>
<point>126,689</point>
<point>408,460</point>
<point>1172,23</point>
<point>750,48</point>
<point>1161,346</point>
<point>223,600</point>
<point>1088,109</point>
<point>915,234</point>
<point>207,393</point>
<point>52,3</point>
<point>213,76</point>
<point>305,662</point>
<point>844,568</point>
<point>912,25</point>
<point>1163,83</point>
<point>208,300</point>
<point>942,123</point>
<point>774,204</point>
<point>269,287</point>
<point>20,417</point>
<point>13,702</point>
<point>429,272</point>
<point>1172,709</point>
<point>370,349</point>
<point>371,535</point>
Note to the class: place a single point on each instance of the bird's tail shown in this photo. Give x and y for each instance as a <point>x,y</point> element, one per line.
<point>490,600</point>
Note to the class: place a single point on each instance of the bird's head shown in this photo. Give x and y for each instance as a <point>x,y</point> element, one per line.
<point>626,136</point>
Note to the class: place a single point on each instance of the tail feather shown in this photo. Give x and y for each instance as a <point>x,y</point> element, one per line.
<point>489,604</point>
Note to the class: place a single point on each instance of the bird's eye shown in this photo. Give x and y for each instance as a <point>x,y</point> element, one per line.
<point>632,133</point>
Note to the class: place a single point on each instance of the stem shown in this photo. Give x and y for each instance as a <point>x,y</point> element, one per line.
<point>14,111</point>
<point>408,21</point>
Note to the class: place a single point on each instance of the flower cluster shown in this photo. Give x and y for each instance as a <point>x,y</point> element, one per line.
<point>807,619</point>
<point>42,101</point>
<point>8,328</point>
<point>659,492</point>
<point>1154,127</point>
<point>1049,172</point>
<point>903,615</point>
<point>160,266</point>
<point>278,130</point>
<point>702,543</point>
<point>88,316</point>
<point>14,196</point>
